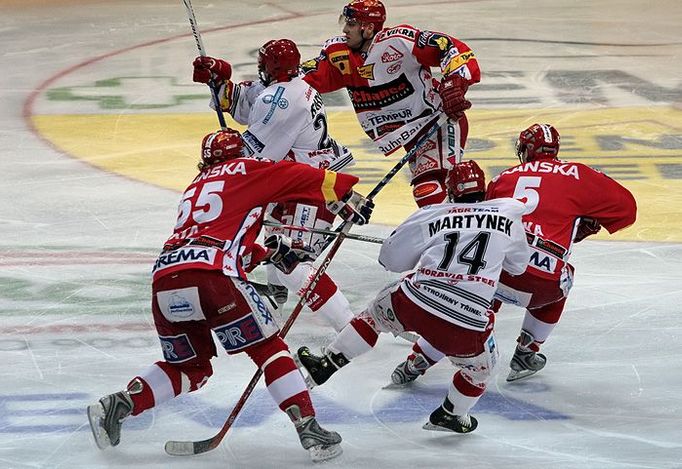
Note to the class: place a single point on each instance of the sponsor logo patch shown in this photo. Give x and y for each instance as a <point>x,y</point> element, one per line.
<point>366,98</point>
<point>393,69</point>
<point>366,71</point>
<point>239,334</point>
<point>340,60</point>
<point>391,54</point>
<point>177,348</point>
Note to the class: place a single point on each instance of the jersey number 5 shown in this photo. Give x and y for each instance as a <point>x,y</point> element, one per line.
<point>472,254</point>
<point>525,188</point>
<point>208,205</point>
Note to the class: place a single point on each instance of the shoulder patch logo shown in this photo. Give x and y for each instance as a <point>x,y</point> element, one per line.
<point>341,61</point>
<point>366,71</point>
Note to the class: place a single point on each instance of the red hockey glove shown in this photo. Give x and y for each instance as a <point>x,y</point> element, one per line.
<point>208,68</point>
<point>452,90</point>
<point>586,227</point>
<point>353,208</point>
<point>287,253</point>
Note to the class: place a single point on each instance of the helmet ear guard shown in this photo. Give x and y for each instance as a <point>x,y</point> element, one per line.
<point>539,141</point>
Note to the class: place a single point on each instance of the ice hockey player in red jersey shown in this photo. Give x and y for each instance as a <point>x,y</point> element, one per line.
<point>387,73</point>
<point>565,202</point>
<point>199,285</point>
<point>286,121</point>
<point>458,250</point>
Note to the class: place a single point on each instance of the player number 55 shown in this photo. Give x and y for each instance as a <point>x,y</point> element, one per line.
<point>208,205</point>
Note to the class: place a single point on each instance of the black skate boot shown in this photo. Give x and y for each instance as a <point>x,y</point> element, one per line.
<point>525,361</point>
<point>409,370</point>
<point>319,368</point>
<point>320,443</point>
<point>443,420</point>
<point>107,416</point>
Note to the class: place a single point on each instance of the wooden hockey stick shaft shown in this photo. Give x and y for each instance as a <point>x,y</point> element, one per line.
<point>308,229</point>
<point>187,448</point>
<point>202,52</point>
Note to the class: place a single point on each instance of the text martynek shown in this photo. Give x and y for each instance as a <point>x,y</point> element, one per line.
<point>486,221</point>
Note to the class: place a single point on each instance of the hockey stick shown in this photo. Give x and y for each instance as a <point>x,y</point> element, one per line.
<point>357,237</point>
<point>187,448</point>
<point>202,52</point>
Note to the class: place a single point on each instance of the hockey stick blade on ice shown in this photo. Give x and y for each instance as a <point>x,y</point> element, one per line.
<point>187,448</point>
<point>200,45</point>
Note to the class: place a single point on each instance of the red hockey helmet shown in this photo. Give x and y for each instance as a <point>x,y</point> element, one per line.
<point>466,182</point>
<point>278,60</point>
<point>365,12</point>
<point>539,141</point>
<point>220,146</point>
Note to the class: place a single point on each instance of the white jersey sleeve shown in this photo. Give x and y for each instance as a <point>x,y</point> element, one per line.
<point>237,98</point>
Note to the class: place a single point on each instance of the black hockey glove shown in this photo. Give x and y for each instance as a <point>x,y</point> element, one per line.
<point>286,253</point>
<point>353,208</point>
<point>586,227</point>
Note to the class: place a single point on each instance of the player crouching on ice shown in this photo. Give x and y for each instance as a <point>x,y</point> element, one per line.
<point>459,249</point>
<point>199,285</point>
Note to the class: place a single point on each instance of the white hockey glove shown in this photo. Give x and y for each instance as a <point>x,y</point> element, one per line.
<point>353,208</point>
<point>286,253</point>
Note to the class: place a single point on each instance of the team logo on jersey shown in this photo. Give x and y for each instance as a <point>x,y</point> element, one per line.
<point>395,68</point>
<point>275,101</point>
<point>366,71</point>
<point>309,65</point>
<point>341,61</point>
<point>451,65</point>
<point>391,54</point>
<point>365,98</point>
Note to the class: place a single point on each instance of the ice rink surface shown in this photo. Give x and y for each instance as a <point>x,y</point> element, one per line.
<point>100,129</point>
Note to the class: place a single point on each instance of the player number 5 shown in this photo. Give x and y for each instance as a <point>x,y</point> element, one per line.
<point>525,190</point>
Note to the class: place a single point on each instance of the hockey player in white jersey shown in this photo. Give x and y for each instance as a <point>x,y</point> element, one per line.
<point>458,250</point>
<point>286,120</point>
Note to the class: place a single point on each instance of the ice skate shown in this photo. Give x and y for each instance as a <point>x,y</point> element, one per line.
<point>319,368</point>
<point>525,363</point>
<point>441,420</point>
<point>107,416</point>
<point>321,444</point>
<point>409,370</point>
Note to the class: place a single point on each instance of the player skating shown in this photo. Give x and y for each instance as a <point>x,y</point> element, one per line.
<point>565,202</point>
<point>387,73</point>
<point>459,250</point>
<point>199,286</point>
